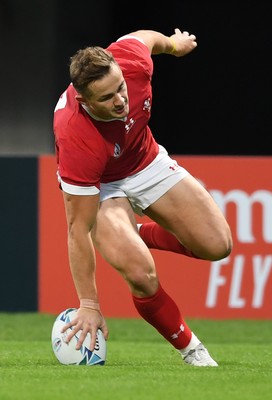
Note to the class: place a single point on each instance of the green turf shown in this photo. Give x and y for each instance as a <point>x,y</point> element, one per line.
<point>140,364</point>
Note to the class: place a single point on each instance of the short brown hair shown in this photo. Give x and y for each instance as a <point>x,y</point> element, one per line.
<point>89,65</point>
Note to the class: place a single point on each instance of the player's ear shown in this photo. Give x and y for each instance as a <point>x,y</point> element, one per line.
<point>80,99</point>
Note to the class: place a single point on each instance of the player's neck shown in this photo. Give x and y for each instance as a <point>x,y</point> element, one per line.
<point>101,119</point>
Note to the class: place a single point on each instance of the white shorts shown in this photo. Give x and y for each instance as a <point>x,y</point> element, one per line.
<point>148,185</point>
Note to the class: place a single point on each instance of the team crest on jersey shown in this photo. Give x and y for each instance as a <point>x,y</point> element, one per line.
<point>129,125</point>
<point>147,105</point>
<point>117,151</point>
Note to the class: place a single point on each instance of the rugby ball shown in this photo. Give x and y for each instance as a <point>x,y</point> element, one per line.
<point>66,353</point>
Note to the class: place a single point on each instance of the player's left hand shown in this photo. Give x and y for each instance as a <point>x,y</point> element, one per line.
<point>184,42</point>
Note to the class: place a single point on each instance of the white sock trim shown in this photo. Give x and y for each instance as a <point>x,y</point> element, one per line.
<point>192,345</point>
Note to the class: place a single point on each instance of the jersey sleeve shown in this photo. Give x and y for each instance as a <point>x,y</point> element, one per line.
<point>78,164</point>
<point>80,150</point>
<point>132,55</point>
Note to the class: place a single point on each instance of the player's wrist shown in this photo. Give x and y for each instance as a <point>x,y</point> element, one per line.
<point>173,45</point>
<point>89,304</point>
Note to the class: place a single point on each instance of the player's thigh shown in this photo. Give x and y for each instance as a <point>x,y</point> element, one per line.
<point>189,211</point>
<point>116,237</point>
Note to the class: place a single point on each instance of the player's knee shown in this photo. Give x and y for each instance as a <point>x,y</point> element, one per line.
<point>220,248</point>
<point>142,283</point>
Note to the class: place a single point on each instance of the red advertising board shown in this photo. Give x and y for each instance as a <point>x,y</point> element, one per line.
<point>239,286</point>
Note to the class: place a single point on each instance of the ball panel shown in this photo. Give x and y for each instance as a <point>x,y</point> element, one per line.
<point>66,353</point>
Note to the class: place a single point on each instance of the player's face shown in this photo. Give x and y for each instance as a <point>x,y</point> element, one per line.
<point>109,98</point>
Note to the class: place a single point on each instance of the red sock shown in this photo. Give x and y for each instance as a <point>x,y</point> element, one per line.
<point>156,237</point>
<point>162,313</point>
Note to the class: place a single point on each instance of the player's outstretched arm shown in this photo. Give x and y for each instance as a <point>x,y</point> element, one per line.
<point>178,44</point>
<point>81,215</point>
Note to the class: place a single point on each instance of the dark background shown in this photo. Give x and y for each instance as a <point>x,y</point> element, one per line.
<point>19,234</point>
<point>216,100</point>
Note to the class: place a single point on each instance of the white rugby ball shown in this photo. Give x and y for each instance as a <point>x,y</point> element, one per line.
<point>66,353</point>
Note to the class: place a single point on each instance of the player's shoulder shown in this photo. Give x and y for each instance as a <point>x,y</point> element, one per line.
<point>129,37</point>
<point>66,101</point>
<point>71,120</point>
<point>132,55</point>
<point>131,45</point>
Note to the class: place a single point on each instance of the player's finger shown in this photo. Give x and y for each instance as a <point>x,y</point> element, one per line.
<point>65,327</point>
<point>178,31</point>
<point>68,325</point>
<point>93,339</point>
<point>81,339</point>
<point>105,331</point>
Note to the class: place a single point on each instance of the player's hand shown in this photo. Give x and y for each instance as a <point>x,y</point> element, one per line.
<point>87,320</point>
<point>183,43</point>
